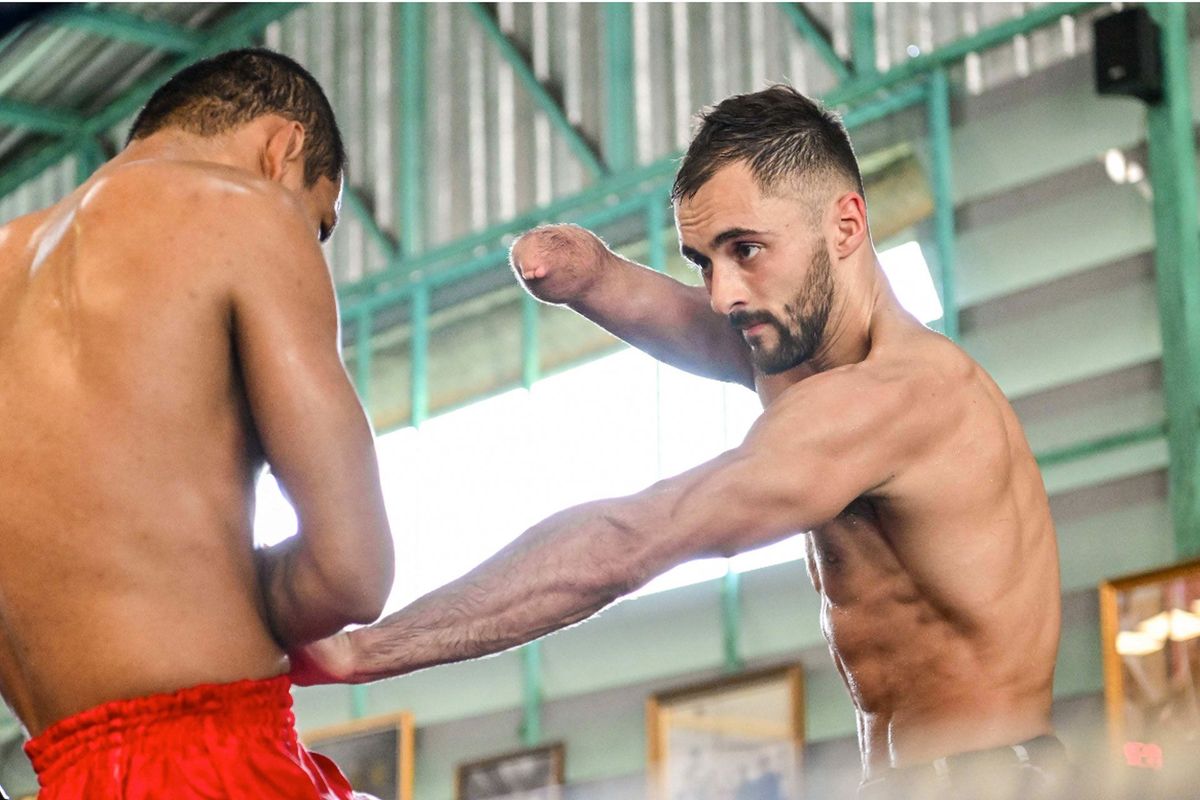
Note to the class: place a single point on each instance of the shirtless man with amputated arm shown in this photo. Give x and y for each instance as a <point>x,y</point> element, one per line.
<point>931,544</point>
<point>165,329</point>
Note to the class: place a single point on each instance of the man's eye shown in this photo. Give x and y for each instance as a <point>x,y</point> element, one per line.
<point>745,250</point>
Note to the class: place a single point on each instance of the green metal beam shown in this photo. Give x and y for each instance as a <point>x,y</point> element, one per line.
<point>411,123</point>
<point>881,109</point>
<point>354,202</point>
<point>656,175</point>
<point>238,29</point>
<point>1172,161</point>
<point>1104,444</point>
<point>15,114</point>
<point>599,192</point>
<point>941,161</point>
<point>954,52</point>
<point>88,159</point>
<point>124,26</point>
<point>530,351</point>
<point>731,620</point>
<point>363,355</point>
<point>808,28</point>
<point>620,121</point>
<point>419,357</point>
<point>549,105</point>
<point>656,223</point>
<point>862,41</point>
<point>531,695</point>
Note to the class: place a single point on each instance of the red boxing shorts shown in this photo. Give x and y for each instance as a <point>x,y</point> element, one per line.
<point>230,741</point>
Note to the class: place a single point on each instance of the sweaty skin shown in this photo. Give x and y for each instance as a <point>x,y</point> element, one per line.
<point>164,329</point>
<point>931,544</point>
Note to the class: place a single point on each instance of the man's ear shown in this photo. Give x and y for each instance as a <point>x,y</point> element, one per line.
<point>849,224</point>
<point>284,152</point>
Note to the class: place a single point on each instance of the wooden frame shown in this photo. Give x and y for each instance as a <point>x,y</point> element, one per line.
<point>554,753</point>
<point>1115,618</point>
<point>782,733</point>
<point>339,741</point>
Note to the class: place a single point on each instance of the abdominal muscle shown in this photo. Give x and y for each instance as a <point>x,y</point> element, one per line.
<point>924,680</point>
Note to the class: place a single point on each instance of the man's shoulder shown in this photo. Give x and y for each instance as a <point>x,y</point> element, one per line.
<point>157,194</point>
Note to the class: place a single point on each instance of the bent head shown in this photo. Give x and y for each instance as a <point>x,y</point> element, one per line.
<point>768,202</point>
<point>296,136</point>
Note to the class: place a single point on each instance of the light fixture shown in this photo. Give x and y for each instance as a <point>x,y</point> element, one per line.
<point>909,276</point>
<point>1176,624</point>
<point>1114,165</point>
<point>1137,643</point>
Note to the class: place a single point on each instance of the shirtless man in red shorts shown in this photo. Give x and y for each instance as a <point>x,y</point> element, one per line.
<point>931,541</point>
<point>164,329</point>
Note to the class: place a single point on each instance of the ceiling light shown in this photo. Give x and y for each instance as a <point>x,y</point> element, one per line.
<point>908,273</point>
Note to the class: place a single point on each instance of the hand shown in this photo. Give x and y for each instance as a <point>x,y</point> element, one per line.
<point>559,263</point>
<point>329,660</point>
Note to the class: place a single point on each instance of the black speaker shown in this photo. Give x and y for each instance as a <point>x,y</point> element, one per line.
<point>1128,57</point>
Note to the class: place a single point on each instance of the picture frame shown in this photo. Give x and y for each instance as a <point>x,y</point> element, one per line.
<point>535,773</point>
<point>375,753</point>
<point>1150,637</point>
<point>733,738</point>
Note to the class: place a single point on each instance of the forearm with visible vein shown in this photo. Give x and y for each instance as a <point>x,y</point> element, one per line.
<point>557,573</point>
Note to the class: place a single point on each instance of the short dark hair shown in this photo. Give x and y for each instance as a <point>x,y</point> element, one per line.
<point>778,132</point>
<point>219,93</point>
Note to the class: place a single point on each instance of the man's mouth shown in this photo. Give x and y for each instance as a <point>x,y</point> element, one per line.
<point>754,329</point>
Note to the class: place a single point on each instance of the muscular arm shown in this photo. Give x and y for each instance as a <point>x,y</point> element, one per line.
<point>653,312</point>
<point>824,443</point>
<point>338,569</point>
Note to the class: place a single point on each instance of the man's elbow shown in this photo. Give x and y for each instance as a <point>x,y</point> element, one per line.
<point>359,590</point>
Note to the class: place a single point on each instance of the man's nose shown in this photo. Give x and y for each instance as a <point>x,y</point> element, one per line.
<point>726,291</point>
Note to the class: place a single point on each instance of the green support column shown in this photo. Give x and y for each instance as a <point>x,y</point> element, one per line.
<point>409,116</point>
<point>620,122</point>
<point>656,222</point>
<point>530,366</point>
<point>862,43</point>
<point>362,357</point>
<point>943,195</point>
<point>531,694</point>
<point>731,619</point>
<point>420,355</point>
<point>1177,264</point>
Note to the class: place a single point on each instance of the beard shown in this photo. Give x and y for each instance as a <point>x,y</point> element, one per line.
<point>799,335</point>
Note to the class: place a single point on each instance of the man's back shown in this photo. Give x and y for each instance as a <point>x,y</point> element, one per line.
<point>129,449</point>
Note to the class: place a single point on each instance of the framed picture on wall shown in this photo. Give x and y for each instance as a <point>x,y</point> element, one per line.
<point>737,738</point>
<point>532,774</point>
<point>1150,627</point>
<point>376,754</point>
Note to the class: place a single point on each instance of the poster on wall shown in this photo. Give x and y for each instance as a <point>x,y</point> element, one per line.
<point>532,774</point>
<point>738,738</point>
<point>375,754</point>
<point>1150,625</point>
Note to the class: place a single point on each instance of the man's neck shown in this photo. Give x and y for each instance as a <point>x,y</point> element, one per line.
<point>177,145</point>
<point>850,333</point>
